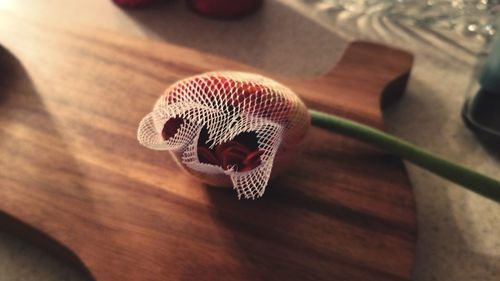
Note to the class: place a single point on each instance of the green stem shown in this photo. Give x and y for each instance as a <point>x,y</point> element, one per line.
<point>461,175</point>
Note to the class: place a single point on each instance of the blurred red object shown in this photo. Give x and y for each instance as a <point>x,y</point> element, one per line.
<point>134,3</point>
<point>225,8</point>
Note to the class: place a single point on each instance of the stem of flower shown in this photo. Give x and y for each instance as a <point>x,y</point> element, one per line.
<point>474,181</point>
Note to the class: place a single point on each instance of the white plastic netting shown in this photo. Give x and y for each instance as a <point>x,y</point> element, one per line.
<point>212,110</point>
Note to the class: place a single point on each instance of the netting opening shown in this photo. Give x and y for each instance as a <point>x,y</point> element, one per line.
<point>241,154</point>
<point>171,127</point>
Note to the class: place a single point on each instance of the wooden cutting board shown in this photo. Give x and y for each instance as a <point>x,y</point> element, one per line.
<point>74,179</point>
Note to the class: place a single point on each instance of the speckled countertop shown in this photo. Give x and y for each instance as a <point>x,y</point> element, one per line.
<point>458,231</point>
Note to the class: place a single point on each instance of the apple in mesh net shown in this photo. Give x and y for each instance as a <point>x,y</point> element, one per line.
<point>228,128</point>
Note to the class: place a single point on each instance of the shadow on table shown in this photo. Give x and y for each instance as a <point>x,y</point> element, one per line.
<point>22,107</point>
<point>275,38</point>
<point>442,249</point>
<point>492,149</point>
<point>301,231</point>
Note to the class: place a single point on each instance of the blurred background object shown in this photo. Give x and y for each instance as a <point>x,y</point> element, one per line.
<point>482,107</point>
<point>134,3</point>
<point>224,9</point>
<point>470,17</point>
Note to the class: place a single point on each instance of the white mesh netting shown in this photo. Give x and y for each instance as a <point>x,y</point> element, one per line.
<point>206,122</point>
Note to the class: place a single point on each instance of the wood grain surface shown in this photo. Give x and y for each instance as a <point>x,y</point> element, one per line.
<point>74,178</point>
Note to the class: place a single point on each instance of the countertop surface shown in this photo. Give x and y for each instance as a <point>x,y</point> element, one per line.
<point>458,230</point>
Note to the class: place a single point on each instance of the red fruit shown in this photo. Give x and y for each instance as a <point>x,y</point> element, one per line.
<point>205,155</point>
<point>231,154</point>
<point>233,157</point>
<point>134,3</point>
<point>224,8</point>
<point>252,160</point>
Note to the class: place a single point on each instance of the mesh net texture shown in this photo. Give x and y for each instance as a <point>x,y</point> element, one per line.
<point>207,113</point>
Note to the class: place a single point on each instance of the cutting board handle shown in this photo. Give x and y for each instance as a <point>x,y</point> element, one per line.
<point>371,76</point>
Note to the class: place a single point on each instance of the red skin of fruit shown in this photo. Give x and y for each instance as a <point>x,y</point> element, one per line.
<point>224,8</point>
<point>246,90</point>
<point>134,3</point>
